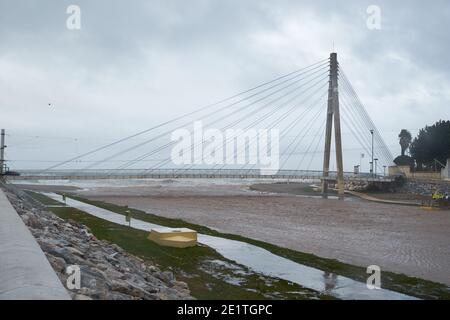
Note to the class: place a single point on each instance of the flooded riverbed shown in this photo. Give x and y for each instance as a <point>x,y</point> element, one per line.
<point>400,239</point>
<point>259,260</point>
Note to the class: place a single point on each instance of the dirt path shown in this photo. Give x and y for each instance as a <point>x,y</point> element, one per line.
<point>401,239</point>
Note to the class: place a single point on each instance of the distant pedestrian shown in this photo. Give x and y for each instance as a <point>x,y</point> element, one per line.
<point>64,197</point>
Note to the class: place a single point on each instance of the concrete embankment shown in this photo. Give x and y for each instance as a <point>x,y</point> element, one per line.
<point>107,272</point>
<point>25,272</point>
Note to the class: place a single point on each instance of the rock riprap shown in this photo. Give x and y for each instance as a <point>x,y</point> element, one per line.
<point>107,271</point>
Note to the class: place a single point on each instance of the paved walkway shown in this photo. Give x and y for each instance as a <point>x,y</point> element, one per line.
<point>25,273</point>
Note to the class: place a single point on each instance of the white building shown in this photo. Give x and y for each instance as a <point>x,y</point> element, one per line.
<point>445,173</point>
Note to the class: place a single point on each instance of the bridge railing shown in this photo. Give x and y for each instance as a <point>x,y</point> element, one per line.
<point>183,173</point>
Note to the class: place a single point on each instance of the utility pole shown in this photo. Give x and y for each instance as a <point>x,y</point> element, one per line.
<point>2,152</point>
<point>371,164</point>
<point>333,114</point>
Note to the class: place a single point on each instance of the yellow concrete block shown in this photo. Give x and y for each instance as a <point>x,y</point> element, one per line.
<point>429,208</point>
<point>174,237</point>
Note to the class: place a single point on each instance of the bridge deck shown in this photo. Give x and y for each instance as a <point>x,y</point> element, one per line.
<point>194,174</point>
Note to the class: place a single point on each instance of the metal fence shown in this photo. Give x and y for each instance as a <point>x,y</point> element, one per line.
<point>185,173</point>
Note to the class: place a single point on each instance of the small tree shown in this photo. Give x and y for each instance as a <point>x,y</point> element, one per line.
<point>404,140</point>
<point>432,142</point>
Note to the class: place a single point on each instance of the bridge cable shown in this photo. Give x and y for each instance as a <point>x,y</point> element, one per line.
<point>241,119</point>
<point>285,131</point>
<point>384,156</point>
<point>296,120</point>
<point>322,135</point>
<point>210,114</point>
<point>319,129</point>
<point>248,126</point>
<point>182,116</point>
<point>299,138</point>
<point>283,116</point>
<point>364,113</point>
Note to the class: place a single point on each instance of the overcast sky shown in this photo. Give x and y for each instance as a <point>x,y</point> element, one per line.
<point>136,63</point>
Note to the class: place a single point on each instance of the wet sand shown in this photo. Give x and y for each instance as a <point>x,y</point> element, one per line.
<point>401,239</point>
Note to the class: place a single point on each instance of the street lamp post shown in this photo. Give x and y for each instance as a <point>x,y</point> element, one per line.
<point>371,163</point>
<point>2,152</point>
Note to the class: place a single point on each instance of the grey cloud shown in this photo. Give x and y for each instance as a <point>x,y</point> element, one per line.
<point>137,63</point>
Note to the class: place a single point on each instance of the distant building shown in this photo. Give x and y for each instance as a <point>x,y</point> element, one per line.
<point>445,173</point>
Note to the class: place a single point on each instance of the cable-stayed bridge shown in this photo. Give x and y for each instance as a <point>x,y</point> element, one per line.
<point>307,107</point>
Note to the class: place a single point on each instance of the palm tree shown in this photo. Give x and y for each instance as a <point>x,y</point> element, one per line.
<point>405,139</point>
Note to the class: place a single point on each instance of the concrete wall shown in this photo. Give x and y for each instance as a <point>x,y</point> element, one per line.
<point>25,272</point>
<point>395,170</point>
<point>425,175</point>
